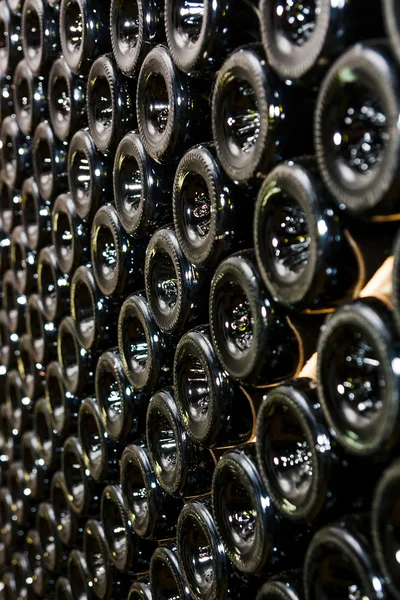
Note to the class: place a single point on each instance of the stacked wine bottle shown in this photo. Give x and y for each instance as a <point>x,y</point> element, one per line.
<point>200,287</point>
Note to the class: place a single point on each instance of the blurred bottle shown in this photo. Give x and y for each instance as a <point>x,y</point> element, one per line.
<point>339,563</point>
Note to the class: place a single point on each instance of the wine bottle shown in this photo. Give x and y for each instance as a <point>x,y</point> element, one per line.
<point>77,364</point>
<point>183,468</point>
<point>110,103</point>
<point>36,216</point>
<point>9,585</point>
<point>6,97</point>
<point>385,523</point>
<point>357,378</point>
<point>166,576</point>
<point>200,35</point>
<point>34,552</point>
<point>339,563</point>
<point>139,591</point>
<point>36,474</point>
<point>20,406</point>
<point>307,475</point>
<point>122,408</point>
<point>88,174</point>
<point>174,286</point>
<point>285,586</point>
<point>255,340</point>
<point>25,364</point>
<point>355,130</point>
<point>107,582</point>
<point>67,100</point>
<point>83,491</point>
<point>135,28</point>
<point>84,33</point>
<point>202,557</point>
<point>71,235</point>
<point>117,258</point>
<point>63,589</point>
<point>207,206</point>
<point>11,534</point>
<point>172,109</point>
<point>252,114</point>
<point>5,242</point>
<point>128,552</point>
<point>309,256</point>
<point>11,52</point>
<point>100,453</point>
<point>30,97</point>
<point>15,7</point>
<point>54,554</point>
<point>214,410</point>
<point>49,162</point>
<point>301,41</point>
<point>40,34</point>
<point>152,512</point>
<point>14,303</point>
<point>15,153</point>
<point>145,351</point>
<point>78,575</point>
<point>53,286</point>
<point>141,188</point>
<point>31,372</point>
<point>63,406</point>
<point>49,442</point>
<point>94,314</point>
<point>252,531</point>
<point>23,261</point>
<point>22,575</point>
<point>10,208</point>
<point>43,333</point>
<point>8,343</point>
<point>69,524</point>
<point>22,505</point>
<point>9,437</point>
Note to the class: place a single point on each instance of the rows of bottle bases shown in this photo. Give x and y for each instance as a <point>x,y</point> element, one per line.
<point>200,321</point>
